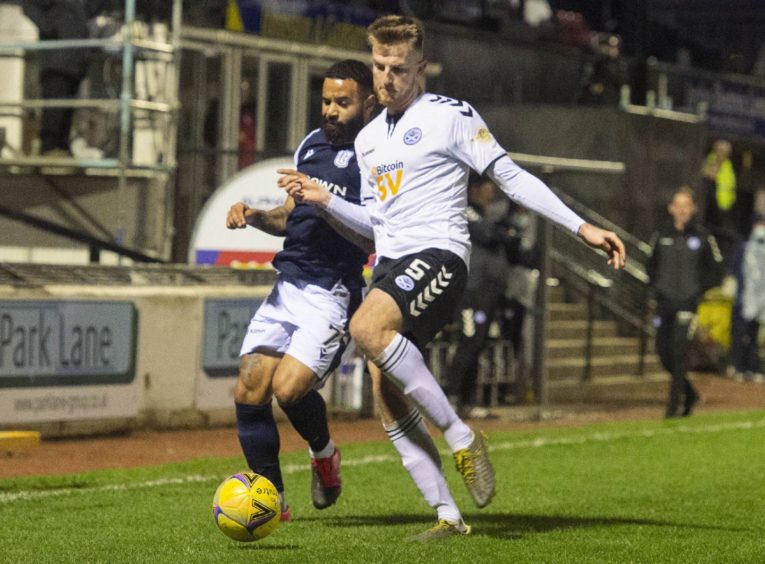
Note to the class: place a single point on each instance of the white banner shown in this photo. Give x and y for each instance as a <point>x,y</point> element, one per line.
<point>213,243</point>
<point>68,403</point>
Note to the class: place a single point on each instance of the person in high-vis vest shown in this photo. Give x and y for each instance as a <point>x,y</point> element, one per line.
<point>720,183</point>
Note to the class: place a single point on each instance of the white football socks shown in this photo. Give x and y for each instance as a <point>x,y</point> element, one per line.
<point>420,457</point>
<point>404,364</point>
<point>326,452</point>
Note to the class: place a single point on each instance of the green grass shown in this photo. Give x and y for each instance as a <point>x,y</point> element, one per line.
<point>680,491</point>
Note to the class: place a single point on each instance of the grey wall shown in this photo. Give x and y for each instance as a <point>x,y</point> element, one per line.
<point>484,67</point>
<point>89,204</point>
<point>659,154</point>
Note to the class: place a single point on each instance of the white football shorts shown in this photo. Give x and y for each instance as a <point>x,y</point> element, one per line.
<point>304,321</point>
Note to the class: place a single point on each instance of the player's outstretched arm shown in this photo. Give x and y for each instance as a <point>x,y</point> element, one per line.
<point>305,190</point>
<point>532,193</point>
<point>606,241</point>
<point>273,222</point>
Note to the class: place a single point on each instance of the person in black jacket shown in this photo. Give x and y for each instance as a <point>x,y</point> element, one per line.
<point>492,243</point>
<point>685,262</point>
<point>61,70</point>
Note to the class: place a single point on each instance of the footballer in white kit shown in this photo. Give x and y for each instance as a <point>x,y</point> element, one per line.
<point>415,166</point>
<point>414,160</point>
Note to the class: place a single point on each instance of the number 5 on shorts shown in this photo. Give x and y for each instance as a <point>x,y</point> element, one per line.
<point>415,269</point>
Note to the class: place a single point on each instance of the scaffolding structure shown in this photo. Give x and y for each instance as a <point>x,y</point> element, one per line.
<point>147,112</point>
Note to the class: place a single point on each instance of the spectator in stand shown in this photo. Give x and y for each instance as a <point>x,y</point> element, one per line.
<point>246,144</point>
<point>521,287</point>
<point>749,308</point>
<point>684,263</point>
<point>61,70</point>
<point>485,288</point>
<point>720,184</point>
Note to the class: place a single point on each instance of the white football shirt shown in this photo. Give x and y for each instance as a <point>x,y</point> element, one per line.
<point>416,168</point>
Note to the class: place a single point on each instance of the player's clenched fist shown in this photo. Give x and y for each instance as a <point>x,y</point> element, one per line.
<point>238,215</point>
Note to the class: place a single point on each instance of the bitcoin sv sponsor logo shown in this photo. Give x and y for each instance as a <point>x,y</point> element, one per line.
<point>388,178</point>
<point>378,170</point>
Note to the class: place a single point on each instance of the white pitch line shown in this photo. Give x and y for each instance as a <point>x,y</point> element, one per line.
<point>27,495</point>
<point>606,436</point>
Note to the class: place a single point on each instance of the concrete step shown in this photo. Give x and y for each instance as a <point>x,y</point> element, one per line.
<point>555,294</point>
<point>578,329</point>
<point>606,388</point>
<point>619,365</point>
<point>560,311</point>
<point>569,348</point>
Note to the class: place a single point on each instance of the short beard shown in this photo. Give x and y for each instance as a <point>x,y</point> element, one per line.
<point>342,133</point>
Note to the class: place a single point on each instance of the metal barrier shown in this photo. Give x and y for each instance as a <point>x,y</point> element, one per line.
<point>622,294</point>
<point>498,371</point>
<point>146,106</point>
<point>130,104</point>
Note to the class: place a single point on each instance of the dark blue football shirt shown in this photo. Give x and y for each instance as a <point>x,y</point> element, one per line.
<point>313,251</point>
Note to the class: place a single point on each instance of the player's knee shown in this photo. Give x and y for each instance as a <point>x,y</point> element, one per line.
<point>289,391</point>
<point>357,330</point>
<point>243,393</point>
<point>254,382</point>
<point>367,336</point>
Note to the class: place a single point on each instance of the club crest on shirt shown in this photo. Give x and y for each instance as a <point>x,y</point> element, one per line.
<point>343,158</point>
<point>405,283</point>
<point>694,243</point>
<point>413,136</point>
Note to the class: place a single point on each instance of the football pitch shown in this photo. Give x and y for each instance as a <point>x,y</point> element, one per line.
<point>689,490</point>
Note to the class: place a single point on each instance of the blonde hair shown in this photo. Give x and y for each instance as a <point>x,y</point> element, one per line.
<point>390,30</point>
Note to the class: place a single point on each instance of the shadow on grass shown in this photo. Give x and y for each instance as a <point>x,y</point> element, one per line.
<point>513,526</point>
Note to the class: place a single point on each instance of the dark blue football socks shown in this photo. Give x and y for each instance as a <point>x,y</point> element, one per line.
<point>259,438</point>
<point>309,418</point>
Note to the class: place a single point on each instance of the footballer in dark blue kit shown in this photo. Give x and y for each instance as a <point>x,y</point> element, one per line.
<point>314,250</point>
<point>297,335</point>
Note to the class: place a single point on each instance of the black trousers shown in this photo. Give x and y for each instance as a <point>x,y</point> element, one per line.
<point>672,340</point>
<point>57,122</point>
<point>478,310</point>
<point>744,350</point>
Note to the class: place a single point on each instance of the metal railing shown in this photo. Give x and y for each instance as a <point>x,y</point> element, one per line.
<point>130,106</point>
<point>129,44</point>
<point>30,275</point>
<point>498,371</point>
<point>622,294</point>
<point>730,103</point>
